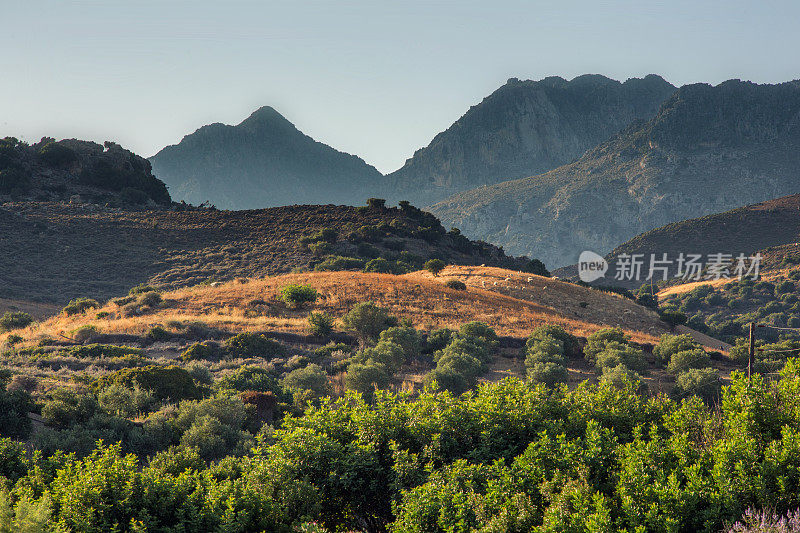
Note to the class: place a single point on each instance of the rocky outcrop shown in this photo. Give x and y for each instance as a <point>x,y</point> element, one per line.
<point>525,128</point>
<point>708,150</point>
<point>264,161</point>
<point>77,171</point>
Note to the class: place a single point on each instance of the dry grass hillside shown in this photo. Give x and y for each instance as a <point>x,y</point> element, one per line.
<point>510,302</point>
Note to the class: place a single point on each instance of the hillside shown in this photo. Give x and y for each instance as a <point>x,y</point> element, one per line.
<point>709,149</point>
<point>77,171</point>
<point>53,252</point>
<point>264,161</point>
<point>522,129</point>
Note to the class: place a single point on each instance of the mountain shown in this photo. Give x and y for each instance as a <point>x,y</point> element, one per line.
<point>53,251</point>
<point>709,149</point>
<point>77,171</point>
<point>264,161</point>
<point>771,228</point>
<point>525,128</point>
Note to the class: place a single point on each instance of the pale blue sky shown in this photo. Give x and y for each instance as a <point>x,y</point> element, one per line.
<point>377,79</point>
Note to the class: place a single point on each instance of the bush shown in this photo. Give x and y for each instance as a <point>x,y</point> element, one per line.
<point>438,339</point>
<point>406,337</point>
<point>535,266</point>
<point>12,320</point>
<point>98,351</point>
<point>149,299</point>
<point>14,408</point>
<point>321,324</point>
<point>66,406</point>
<point>320,249</point>
<point>80,305</point>
<point>673,317</point>
<point>389,354</point>
<point>335,263</point>
<point>615,354</point>
<point>246,345</point>
<point>368,321</point>
<point>669,345</point>
<point>449,379</point>
<point>481,331</point>
<point>682,361</point>
<point>572,347</point>
<point>621,376</point>
<point>165,382</point>
<point>456,285</point>
<point>376,203</point>
<point>597,341</point>
<point>307,384</point>
<point>548,373</point>
<point>126,402</point>
<point>545,350</point>
<point>332,348</point>
<point>141,289</point>
<point>296,296</point>
<point>158,334</point>
<point>702,382</point>
<point>434,266</point>
<point>381,266</point>
<point>13,460</point>
<point>85,333</point>
<point>249,378</point>
<point>56,154</point>
<point>367,250</point>
<point>366,377</point>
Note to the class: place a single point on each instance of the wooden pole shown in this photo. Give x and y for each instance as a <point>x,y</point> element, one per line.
<point>751,351</point>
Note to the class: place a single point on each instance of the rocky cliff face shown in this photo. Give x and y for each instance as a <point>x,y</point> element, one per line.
<point>264,161</point>
<point>709,149</point>
<point>525,128</point>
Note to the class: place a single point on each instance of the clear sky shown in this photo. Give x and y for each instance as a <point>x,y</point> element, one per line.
<point>375,78</point>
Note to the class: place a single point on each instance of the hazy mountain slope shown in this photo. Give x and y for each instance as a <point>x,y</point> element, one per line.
<point>264,161</point>
<point>708,150</point>
<point>525,128</point>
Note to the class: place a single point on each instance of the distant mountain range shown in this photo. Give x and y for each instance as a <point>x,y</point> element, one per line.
<point>264,161</point>
<point>525,128</point>
<point>709,149</point>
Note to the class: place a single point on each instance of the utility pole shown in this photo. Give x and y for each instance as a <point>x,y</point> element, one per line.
<point>751,351</point>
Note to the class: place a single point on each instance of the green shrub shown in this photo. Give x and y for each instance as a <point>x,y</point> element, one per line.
<point>702,382</point>
<point>438,339</point>
<point>85,333</point>
<point>615,354</point>
<point>784,287</point>
<point>682,361</point>
<point>320,248</point>
<point>545,350</point>
<point>449,379</point>
<point>140,289</point>
<point>149,299</point>
<point>549,373</point>
<point>158,334</point>
<point>335,263</point>
<point>126,402</point>
<point>406,337</point>
<point>388,354</point>
<point>381,266</point>
<point>621,376</point>
<point>367,250</point>
<point>14,408</point>
<point>597,341</point>
<point>368,320</point>
<point>13,460</point>
<point>332,348</point>
<point>67,406</point>
<point>434,266</point>
<point>321,324</point>
<point>307,384</point>
<point>673,317</point>
<point>570,343</point>
<point>246,345</point>
<point>481,331</point>
<point>473,346</point>
<point>535,266</point>
<point>366,377</point>
<point>12,320</point>
<point>98,351</point>
<point>165,382</point>
<point>669,345</point>
<point>249,378</point>
<point>80,305</point>
<point>56,154</point>
<point>376,203</point>
<point>456,285</point>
